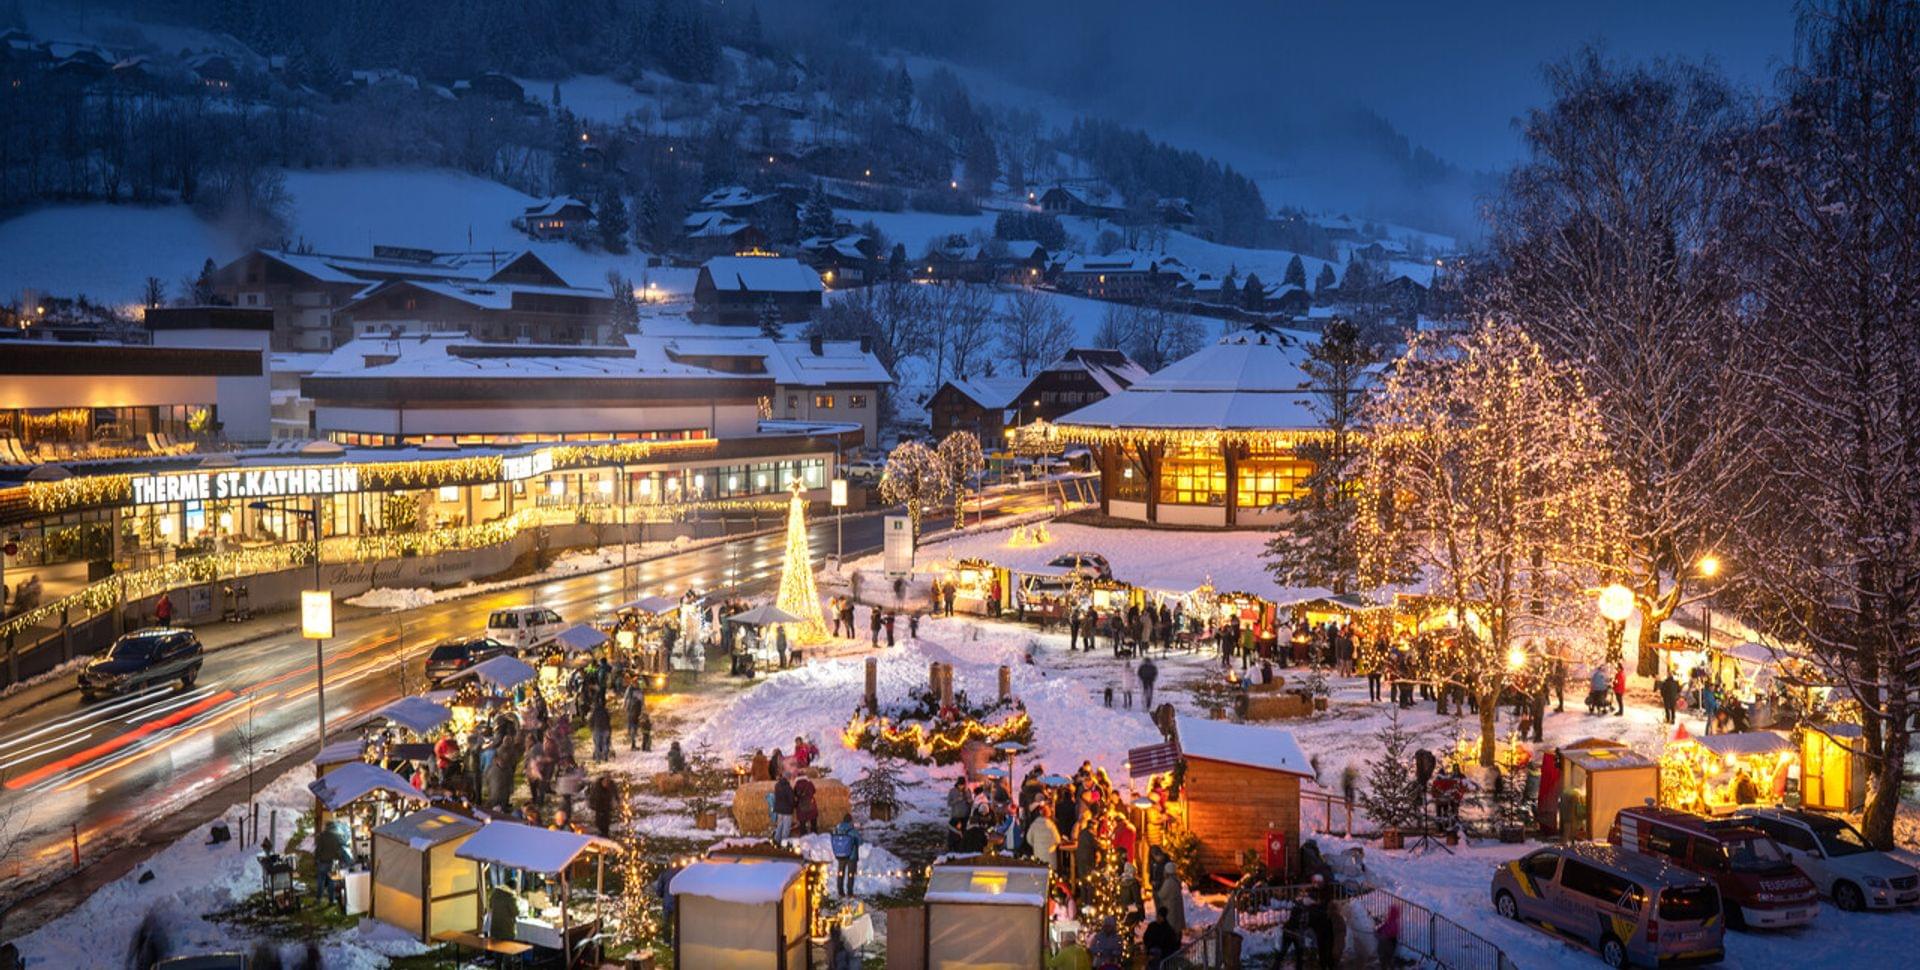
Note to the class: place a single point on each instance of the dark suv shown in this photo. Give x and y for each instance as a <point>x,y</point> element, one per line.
<point>454,656</point>
<point>141,659</point>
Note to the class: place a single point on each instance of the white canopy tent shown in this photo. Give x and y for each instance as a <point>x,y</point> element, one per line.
<point>762,615</point>
<point>657,605</point>
<point>580,638</point>
<point>502,672</point>
<point>349,783</point>
<point>416,714</point>
<point>741,913</point>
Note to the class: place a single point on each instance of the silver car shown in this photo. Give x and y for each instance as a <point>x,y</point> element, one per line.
<point>1838,859</point>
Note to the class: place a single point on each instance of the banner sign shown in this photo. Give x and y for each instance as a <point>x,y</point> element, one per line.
<point>897,552</point>
<point>264,483</point>
<point>518,467</point>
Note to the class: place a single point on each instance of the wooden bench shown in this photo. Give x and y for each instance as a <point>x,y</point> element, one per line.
<point>501,949</point>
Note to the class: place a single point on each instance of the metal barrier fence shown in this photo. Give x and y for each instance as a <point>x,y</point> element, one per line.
<point>1263,910</point>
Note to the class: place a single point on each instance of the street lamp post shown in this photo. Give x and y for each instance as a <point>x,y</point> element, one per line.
<point>838,494</point>
<point>311,627</point>
<point>1616,604</point>
<point>1709,567</point>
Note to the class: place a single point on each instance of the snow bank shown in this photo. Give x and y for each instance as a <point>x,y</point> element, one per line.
<point>107,251</point>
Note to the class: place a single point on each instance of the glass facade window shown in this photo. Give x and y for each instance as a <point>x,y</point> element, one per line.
<point>823,400</point>
<point>1129,483</point>
<point>856,401</point>
<point>1267,479</point>
<point>1193,475</point>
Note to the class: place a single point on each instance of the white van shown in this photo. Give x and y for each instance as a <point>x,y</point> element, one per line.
<point>523,626</point>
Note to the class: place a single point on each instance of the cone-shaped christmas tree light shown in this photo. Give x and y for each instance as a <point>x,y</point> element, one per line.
<point>797,593</point>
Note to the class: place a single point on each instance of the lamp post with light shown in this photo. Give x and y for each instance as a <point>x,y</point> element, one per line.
<point>1708,567</point>
<point>838,495</point>
<point>1616,605</point>
<point>316,608</point>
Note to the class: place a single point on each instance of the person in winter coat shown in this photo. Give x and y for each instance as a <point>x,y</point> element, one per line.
<point>1107,949</point>
<point>780,643</point>
<point>539,767</point>
<point>891,617</point>
<point>600,723</point>
<point>601,799</point>
<point>1071,956</point>
<point>1159,941</point>
<point>503,912</point>
<point>634,712</point>
<point>783,806</point>
<point>959,807</point>
<point>1620,689</point>
<point>676,759</point>
<point>1171,903</point>
<point>1044,837</point>
<point>1710,704</point>
<point>1669,695</point>
<point>571,781</point>
<point>1149,673</point>
<point>162,611</point>
<point>1597,690</point>
<point>873,625</point>
<point>806,811</point>
<point>330,855</point>
<point>1386,936</point>
<point>846,855</point>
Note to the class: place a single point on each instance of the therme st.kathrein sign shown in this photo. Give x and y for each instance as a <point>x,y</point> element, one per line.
<point>263,483</point>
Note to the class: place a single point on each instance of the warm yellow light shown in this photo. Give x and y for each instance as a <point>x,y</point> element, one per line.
<point>1516,658</point>
<point>1709,566</point>
<point>1616,603</point>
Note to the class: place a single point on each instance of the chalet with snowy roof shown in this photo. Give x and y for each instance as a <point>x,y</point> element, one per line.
<point>744,290</point>
<point>562,217</point>
<point>1173,211</point>
<point>1024,261</point>
<point>308,292</point>
<point>815,380</point>
<point>1210,440</point>
<point>955,260</point>
<point>492,309</point>
<point>1123,275</point>
<point>713,232</point>
<point>1092,200</point>
<point>213,70</point>
<point>982,405</point>
<point>1080,377</point>
<point>843,261</point>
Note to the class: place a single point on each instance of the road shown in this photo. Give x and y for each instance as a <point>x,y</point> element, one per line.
<point>110,768</point>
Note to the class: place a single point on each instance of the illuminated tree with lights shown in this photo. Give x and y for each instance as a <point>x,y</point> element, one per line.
<point>797,593</point>
<point>1487,473</point>
<point>639,909</point>
<point>961,459</point>
<point>915,478</point>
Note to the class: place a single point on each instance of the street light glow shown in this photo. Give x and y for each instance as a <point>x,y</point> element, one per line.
<point>1616,603</point>
<point>1710,565</point>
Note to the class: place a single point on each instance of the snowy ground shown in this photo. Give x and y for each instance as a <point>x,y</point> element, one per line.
<point>106,251</point>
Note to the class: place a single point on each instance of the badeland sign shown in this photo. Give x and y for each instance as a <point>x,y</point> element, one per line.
<point>264,483</point>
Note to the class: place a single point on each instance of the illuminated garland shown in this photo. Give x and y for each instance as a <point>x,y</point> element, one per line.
<point>625,452</point>
<point>79,492</point>
<point>387,476</point>
<point>940,746</point>
<point>1258,439</point>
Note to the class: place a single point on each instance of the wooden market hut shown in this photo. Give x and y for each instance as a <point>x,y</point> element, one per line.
<point>1702,771</point>
<point>419,884</point>
<point>1833,768</point>
<point>985,913</point>
<point>417,714</point>
<point>542,852</point>
<point>1607,776</point>
<point>742,912</point>
<point>358,784</point>
<point>1241,784</point>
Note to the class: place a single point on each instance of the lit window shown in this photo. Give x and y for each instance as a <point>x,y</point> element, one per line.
<point>823,401</point>
<point>1194,475</point>
<point>856,401</point>
<point>1265,480</point>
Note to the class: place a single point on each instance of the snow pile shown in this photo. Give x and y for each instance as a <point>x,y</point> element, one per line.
<point>384,598</point>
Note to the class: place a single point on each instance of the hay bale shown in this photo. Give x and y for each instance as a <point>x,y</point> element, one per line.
<point>750,813</point>
<point>669,782</point>
<point>1273,705</point>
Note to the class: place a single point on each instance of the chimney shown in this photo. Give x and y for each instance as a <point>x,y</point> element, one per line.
<point>814,344</point>
<point>866,345</point>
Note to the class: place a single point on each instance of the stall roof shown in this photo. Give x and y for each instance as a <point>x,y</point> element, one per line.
<point>427,828</point>
<point>580,638</point>
<point>351,782</point>
<point>763,614</point>
<point>518,846</point>
<point>416,714</point>
<point>1242,744</point>
<point>341,752</point>
<point>748,881</point>
<point>1743,742</point>
<point>994,885</point>
<point>1606,759</point>
<point>503,672</point>
<point>657,605</point>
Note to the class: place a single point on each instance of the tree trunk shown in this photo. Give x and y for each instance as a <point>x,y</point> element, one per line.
<point>1884,774</point>
<point>1649,662</point>
<point>1489,709</point>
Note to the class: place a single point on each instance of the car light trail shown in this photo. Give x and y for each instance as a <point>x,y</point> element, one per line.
<point>105,748</point>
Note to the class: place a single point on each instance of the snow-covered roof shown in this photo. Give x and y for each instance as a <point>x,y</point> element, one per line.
<point>992,885</point>
<point>427,828</point>
<point>340,752</point>
<point>503,672</point>
<point>1120,261</point>
<point>999,391</point>
<point>555,206</point>
<point>416,714</point>
<point>356,780</point>
<point>1268,749</point>
<point>518,846</point>
<point>732,196</point>
<point>747,881</point>
<point>762,274</point>
<point>712,224</point>
<point>1606,759</point>
<point>1023,248</point>
<point>1113,370</point>
<point>1743,743</point>
<point>1251,379</point>
<point>790,363</point>
<point>580,638</point>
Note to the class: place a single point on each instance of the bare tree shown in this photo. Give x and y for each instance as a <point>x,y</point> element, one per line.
<point>1832,565</point>
<point>1033,330</point>
<point>1616,254</point>
<point>958,314</point>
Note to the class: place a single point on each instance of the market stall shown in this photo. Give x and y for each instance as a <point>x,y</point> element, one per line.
<point>1833,767</point>
<point>1717,773</point>
<point>418,715</point>
<point>535,875</point>
<point>352,800</point>
<point>742,912</point>
<point>487,687</point>
<point>419,884</point>
<point>985,913</point>
<point>644,632</point>
<point>1599,778</point>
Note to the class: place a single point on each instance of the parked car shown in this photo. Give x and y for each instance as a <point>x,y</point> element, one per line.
<point>1088,565</point>
<point>454,656</point>
<point>865,469</point>
<point>1627,907</point>
<point>1759,883</point>
<point>523,626</point>
<point>140,659</point>
<point>1838,859</point>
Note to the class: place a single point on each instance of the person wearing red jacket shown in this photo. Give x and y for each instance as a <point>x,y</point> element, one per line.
<point>1620,689</point>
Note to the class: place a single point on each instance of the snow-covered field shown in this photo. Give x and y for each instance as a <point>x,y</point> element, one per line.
<point>106,251</point>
